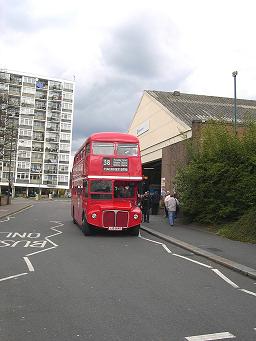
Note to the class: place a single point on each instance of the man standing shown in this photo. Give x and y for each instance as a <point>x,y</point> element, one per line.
<point>146,205</point>
<point>171,204</point>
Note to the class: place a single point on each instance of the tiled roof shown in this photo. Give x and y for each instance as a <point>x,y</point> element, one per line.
<point>189,107</point>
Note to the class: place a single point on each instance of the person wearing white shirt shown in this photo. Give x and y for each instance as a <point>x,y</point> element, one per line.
<point>171,205</point>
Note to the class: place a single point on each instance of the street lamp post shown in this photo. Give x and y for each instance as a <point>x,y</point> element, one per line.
<point>234,74</point>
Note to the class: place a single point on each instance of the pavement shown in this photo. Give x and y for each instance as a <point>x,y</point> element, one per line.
<point>235,255</point>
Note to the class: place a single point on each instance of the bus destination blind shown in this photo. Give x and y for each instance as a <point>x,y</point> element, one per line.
<point>115,165</point>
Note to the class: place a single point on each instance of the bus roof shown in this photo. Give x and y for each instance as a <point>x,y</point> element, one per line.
<point>110,137</point>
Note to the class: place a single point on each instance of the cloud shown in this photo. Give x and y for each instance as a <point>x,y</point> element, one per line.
<point>134,56</point>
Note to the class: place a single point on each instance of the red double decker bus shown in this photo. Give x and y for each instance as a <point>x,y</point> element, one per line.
<point>105,178</point>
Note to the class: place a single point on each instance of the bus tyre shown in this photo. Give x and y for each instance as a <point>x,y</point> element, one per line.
<point>134,231</point>
<point>86,228</point>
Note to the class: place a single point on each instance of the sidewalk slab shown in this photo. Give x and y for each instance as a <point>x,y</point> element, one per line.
<point>14,207</point>
<point>235,255</point>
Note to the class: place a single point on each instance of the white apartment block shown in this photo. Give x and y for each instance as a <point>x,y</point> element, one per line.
<point>36,116</point>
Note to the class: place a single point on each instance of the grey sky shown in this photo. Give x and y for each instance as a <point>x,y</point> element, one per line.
<point>117,49</point>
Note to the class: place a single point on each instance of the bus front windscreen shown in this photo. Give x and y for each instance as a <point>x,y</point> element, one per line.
<point>123,189</point>
<point>101,189</point>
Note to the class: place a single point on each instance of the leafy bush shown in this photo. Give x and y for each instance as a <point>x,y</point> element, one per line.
<point>244,229</point>
<point>218,185</point>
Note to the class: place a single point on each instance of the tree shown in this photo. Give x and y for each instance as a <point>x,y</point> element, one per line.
<point>219,182</point>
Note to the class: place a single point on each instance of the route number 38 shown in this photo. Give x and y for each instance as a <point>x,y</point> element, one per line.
<point>106,162</point>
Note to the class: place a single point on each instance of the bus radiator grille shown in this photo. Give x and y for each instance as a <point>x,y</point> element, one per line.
<point>115,219</point>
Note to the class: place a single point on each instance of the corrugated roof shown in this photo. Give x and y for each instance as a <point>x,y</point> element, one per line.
<point>189,107</point>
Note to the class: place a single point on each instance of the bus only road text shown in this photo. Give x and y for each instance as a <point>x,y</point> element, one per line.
<point>22,242</point>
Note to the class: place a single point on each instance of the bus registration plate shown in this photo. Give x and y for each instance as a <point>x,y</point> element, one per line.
<point>115,228</point>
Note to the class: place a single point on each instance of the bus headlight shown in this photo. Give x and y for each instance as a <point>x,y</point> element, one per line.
<point>135,216</point>
<point>94,216</point>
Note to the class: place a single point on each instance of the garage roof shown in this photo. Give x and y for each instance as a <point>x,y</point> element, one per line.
<point>189,107</point>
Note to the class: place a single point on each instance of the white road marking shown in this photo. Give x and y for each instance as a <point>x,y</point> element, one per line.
<point>192,260</point>
<point>225,278</point>
<point>34,253</point>
<point>248,292</point>
<point>29,264</point>
<point>10,277</point>
<point>150,240</point>
<point>166,248</point>
<point>153,241</point>
<point>220,274</point>
<point>210,337</point>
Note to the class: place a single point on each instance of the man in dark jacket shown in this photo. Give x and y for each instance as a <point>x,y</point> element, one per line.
<point>146,205</point>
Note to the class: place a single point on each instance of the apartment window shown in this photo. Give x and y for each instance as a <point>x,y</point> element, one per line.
<point>26,121</point>
<point>38,136</point>
<point>27,100</point>
<point>27,111</point>
<point>29,80</point>
<point>25,143</point>
<point>22,176</point>
<point>37,156</point>
<point>24,154</point>
<point>67,106</point>
<point>67,96</point>
<point>64,157</point>
<point>23,164</point>
<point>29,90</point>
<point>25,132</point>
<point>36,168</point>
<point>63,178</point>
<point>55,85</point>
<point>64,147</point>
<point>68,86</point>
<point>66,116</point>
<point>65,137</point>
<point>63,168</point>
<point>65,126</point>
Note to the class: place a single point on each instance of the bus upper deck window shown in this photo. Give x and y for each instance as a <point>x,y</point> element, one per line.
<point>130,149</point>
<point>103,148</point>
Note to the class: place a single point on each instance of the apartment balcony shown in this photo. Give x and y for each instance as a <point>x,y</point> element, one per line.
<point>53,118</point>
<point>14,91</point>
<point>55,97</point>
<point>52,140</point>
<point>36,170</point>
<point>55,87</point>
<point>39,116</point>
<point>36,160</point>
<point>50,171</point>
<point>37,149</point>
<point>51,150</point>
<point>40,105</point>
<point>36,181</point>
<point>52,161</point>
<point>41,95</point>
<point>38,128</point>
<point>15,79</point>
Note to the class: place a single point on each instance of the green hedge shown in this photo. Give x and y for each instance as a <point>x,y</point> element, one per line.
<point>218,185</point>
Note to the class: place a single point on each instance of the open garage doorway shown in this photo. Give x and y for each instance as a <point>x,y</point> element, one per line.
<point>152,176</point>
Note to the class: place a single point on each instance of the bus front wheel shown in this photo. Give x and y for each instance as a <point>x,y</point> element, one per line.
<point>134,231</point>
<point>86,228</point>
